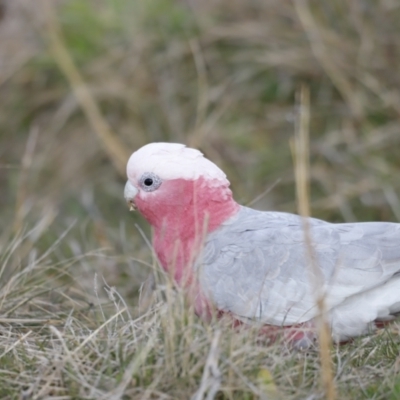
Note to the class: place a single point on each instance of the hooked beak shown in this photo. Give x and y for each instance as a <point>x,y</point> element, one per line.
<point>129,193</point>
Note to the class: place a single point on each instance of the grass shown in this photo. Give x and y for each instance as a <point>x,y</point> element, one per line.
<point>85,312</point>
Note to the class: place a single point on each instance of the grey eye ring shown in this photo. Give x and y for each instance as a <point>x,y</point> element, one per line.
<point>150,182</point>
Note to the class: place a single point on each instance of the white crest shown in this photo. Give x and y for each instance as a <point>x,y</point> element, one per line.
<point>172,161</point>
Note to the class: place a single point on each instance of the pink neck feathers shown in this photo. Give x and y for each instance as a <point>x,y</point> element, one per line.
<point>182,213</point>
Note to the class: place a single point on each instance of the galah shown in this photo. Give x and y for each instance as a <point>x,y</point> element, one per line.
<point>255,265</point>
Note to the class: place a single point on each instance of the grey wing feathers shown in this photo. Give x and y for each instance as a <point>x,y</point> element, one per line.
<point>256,264</point>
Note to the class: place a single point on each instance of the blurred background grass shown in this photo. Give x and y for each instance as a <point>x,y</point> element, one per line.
<point>218,75</point>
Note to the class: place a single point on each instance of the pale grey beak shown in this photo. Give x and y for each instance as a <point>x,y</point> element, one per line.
<point>129,193</point>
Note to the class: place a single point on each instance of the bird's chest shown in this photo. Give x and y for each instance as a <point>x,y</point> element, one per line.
<point>177,258</point>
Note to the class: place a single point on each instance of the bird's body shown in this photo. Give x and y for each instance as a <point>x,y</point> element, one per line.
<point>256,265</point>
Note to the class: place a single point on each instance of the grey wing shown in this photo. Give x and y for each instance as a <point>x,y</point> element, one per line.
<point>257,266</point>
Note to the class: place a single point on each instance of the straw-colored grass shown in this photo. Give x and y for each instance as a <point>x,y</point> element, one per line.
<point>85,312</point>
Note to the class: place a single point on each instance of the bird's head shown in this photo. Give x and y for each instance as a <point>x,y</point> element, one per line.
<point>170,180</point>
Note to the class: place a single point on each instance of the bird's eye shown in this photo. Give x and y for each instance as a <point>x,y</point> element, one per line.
<point>150,182</point>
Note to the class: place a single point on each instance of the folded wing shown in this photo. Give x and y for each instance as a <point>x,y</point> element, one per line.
<point>257,267</point>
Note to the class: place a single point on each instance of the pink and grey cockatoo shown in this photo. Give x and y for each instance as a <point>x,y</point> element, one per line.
<point>254,265</point>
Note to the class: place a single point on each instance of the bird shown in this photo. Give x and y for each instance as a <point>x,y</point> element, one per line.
<point>254,265</point>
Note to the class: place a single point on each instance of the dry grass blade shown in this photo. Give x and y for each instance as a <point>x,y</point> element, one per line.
<point>211,379</point>
<point>22,338</point>
<point>23,178</point>
<point>264,193</point>
<point>321,53</point>
<point>94,333</point>
<point>25,321</point>
<point>301,151</point>
<point>196,138</point>
<point>133,366</point>
<point>112,145</point>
